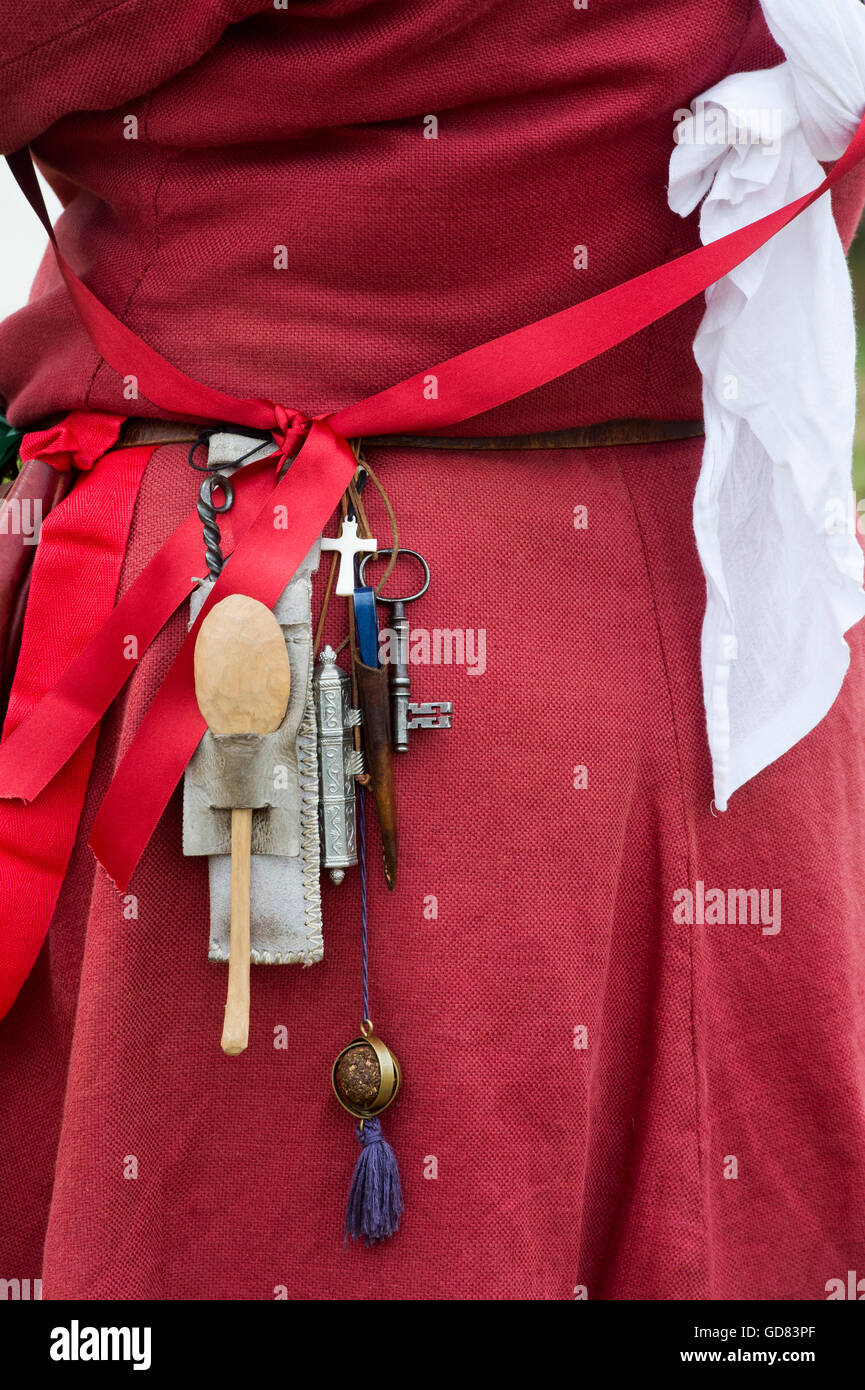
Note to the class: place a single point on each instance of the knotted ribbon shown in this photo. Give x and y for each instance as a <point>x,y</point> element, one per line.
<point>265,553</point>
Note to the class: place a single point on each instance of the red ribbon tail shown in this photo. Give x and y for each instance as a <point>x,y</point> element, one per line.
<point>263,563</point>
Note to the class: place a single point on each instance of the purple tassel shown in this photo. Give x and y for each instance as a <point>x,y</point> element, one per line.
<point>375,1200</point>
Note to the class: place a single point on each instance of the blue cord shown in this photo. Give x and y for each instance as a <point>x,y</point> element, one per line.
<point>363,900</point>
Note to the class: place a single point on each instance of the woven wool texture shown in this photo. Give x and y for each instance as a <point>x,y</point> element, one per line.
<point>557,1166</point>
<point>555,131</point>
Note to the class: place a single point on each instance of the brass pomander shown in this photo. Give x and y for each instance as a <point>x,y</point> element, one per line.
<point>366,1075</point>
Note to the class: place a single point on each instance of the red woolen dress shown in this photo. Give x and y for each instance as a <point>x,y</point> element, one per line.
<point>598,1097</point>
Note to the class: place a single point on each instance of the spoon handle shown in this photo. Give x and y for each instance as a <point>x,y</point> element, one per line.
<point>235,1032</point>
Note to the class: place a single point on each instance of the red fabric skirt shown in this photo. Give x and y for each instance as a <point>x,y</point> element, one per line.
<point>598,1096</point>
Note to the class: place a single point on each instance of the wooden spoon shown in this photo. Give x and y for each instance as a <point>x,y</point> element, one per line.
<point>242,684</point>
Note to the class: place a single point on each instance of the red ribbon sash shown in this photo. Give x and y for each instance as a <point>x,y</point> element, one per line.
<point>75,573</point>
<point>265,556</point>
<point>261,564</point>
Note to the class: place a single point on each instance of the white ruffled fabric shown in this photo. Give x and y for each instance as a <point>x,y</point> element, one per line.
<point>777,350</point>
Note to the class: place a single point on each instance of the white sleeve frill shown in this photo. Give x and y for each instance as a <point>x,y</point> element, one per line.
<point>774,517</point>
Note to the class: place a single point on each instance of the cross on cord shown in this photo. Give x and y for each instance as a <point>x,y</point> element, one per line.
<point>348,544</point>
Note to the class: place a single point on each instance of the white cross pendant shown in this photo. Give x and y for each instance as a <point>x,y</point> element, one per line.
<point>348,543</point>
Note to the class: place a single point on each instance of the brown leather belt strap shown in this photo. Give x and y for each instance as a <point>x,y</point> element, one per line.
<point>604,435</point>
<point>134,432</point>
<point>600,436</point>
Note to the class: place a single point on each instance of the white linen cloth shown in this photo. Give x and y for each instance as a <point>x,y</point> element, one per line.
<point>777,349</point>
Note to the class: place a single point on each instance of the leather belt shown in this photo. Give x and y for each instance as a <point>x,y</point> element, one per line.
<point>603,435</point>
<point>37,482</point>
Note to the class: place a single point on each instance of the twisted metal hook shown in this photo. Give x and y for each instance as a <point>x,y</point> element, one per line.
<point>207,509</point>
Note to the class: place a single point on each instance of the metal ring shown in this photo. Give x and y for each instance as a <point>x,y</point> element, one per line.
<point>402,550</point>
<point>223,482</point>
<point>390,1077</point>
